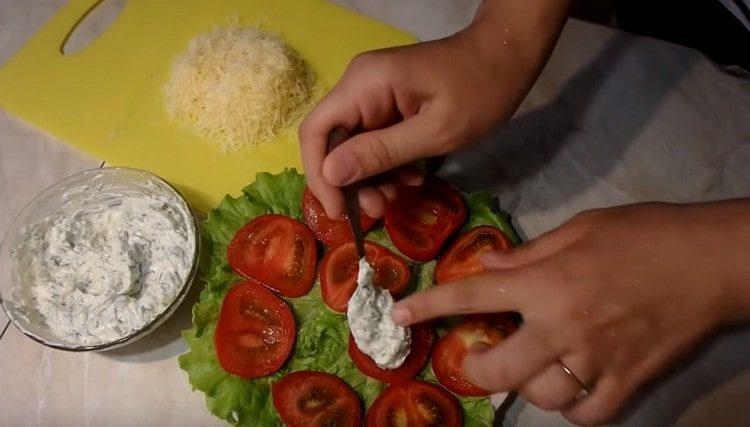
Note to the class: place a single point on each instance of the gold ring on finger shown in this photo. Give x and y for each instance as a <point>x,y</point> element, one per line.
<point>583,391</point>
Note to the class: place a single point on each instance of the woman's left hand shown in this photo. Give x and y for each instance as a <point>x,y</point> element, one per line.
<point>617,295</point>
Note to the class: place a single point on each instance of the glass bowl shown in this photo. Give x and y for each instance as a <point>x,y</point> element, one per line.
<point>15,296</point>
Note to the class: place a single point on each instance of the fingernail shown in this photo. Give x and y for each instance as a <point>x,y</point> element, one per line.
<point>415,180</point>
<point>334,208</point>
<point>334,213</point>
<point>389,191</point>
<point>401,316</point>
<point>371,201</point>
<point>340,173</point>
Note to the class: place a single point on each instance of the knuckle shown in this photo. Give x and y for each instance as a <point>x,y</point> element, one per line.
<point>568,289</point>
<point>579,338</point>
<point>377,62</point>
<point>543,401</point>
<point>585,337</point>
<point>544,339</point>
<point>564,280</point>
<point>361,60</point>
<point>372,152</point>
<point>451,133</point>
<point>384,152</point>
<point>304,130</point>
<point>464,299</point>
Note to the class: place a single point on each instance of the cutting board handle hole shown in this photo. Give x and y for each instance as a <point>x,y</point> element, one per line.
<point>91,25</point>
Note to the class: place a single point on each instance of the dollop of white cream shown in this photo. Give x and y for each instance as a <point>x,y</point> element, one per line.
<point>371,323</point>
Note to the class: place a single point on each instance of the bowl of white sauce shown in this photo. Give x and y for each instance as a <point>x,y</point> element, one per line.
<point>98,260</point>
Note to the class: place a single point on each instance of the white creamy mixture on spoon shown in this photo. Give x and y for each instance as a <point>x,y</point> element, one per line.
<point>371,323</point>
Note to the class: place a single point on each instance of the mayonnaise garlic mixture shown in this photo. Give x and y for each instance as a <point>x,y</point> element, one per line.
<point>105,263</point>
<point>370,321</point>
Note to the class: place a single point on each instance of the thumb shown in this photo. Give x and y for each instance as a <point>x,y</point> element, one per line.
<point>377,151</point>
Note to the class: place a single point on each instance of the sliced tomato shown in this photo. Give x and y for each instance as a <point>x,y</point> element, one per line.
<point>414,403</point>
<point>421,344</point>
<point>255,332</point>
<point>421,218</point>
<point>278,251</point>
<point>340,266</point>
<point>311,398</point>
<point>461,259</point>
<point>330,231</point>
<point>450,350</point>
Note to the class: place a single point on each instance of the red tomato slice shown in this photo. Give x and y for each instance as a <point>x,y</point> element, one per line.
<point>421,344</point>
<point>255,332</point>
<point>421,218</point>
<point>310,398</point>
<point>461,259</point>
<point>414,403</point>
<point>340,266</point>
<point>450,350</point>
<point>278,251</point>
<point>330,231</point>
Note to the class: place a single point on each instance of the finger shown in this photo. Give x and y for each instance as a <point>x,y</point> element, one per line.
<point>408,175</point>
<point>372,201</point>
<point>511,363</point>
<point>389,191</point>
<point>609,394</point>
<point>403,175</point>
<point>373,152</point>
<point>533,251</point>
<point>553,389</point>
<point>612,392</point>
<point>335,110</point>
<point>490,292</point>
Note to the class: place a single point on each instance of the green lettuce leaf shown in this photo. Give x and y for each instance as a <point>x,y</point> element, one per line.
<point>484,210</point>
<point>282,193</point>
<point>322,334</point>
<point>478,411</point>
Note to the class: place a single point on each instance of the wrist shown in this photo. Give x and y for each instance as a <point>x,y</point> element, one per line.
<point>728,249</point>
<point>511,41</point>
<point>736,287</point>
<point>526,30</point>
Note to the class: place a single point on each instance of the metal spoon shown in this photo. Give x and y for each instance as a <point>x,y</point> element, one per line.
<point>336,137</point>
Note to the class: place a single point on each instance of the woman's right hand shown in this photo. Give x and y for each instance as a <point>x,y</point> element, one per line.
<point>424,100</point>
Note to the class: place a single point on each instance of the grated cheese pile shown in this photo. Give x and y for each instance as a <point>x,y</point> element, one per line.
<point>237,86</point>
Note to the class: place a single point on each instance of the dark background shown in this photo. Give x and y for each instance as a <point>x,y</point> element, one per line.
<point>705,25</point>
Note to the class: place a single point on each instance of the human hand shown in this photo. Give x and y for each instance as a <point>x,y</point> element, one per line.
<point>425,100</point>
<point>618,295</point>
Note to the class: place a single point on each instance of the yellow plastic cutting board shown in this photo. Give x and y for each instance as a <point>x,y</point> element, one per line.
<point>106,99</point>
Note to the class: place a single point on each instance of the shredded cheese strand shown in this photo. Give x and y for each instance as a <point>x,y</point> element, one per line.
<point>237,86</point>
